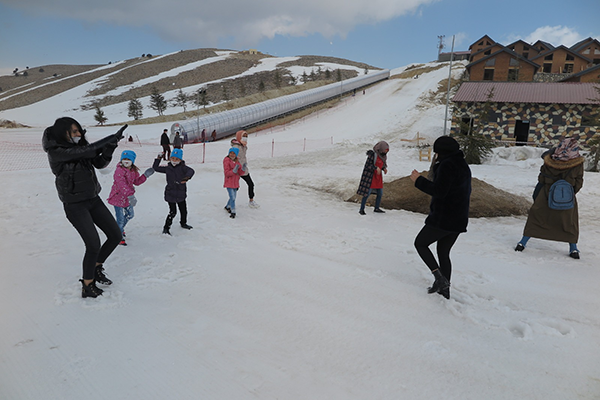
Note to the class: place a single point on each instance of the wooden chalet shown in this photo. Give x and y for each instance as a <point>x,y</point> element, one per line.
<point>540,61</point>
<point>562,60</point>
<point>587,75</point>
<point>589,48</point>
<point>502,65</point>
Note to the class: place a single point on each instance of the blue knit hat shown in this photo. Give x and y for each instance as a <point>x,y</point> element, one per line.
<point>177,153</point>
<point>128,154</point>
<point>235,150</point>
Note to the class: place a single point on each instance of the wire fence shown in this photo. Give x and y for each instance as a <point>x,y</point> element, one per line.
<point>15,156</point>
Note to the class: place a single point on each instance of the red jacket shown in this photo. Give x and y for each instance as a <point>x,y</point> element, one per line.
<point>232,179</point>
<point>377,182</point>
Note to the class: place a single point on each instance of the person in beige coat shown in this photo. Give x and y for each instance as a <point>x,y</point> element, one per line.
<point>566,163</point>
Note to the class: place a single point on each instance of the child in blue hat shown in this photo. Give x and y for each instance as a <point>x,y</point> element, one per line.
<point>122,194</point>
<point>176,190</point>
<point>233,171</point>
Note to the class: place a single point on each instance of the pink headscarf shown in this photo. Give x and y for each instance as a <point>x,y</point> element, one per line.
<point>568,149</point>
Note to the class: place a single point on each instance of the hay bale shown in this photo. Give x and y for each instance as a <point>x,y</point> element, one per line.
<point>486,200</point>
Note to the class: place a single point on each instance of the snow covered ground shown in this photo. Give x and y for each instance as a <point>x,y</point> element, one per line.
<point>302,298</point>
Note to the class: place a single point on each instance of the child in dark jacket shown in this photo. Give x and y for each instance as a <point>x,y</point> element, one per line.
<point>176,190</point>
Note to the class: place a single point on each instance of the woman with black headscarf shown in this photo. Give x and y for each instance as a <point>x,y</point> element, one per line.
<point>450,191</point>
<point>72,160</point>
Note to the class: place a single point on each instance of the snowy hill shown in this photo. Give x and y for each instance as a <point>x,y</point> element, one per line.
<point>302,298</point>
<point>222,74</point>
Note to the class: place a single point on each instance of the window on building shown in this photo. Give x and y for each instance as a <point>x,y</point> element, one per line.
<point>480,43</point>
<point>570,57</point>
<point>547,68</point>
<point>513,75</point>
<point>526,55</point>
<point>490,63</point>
<point>549,57</point>
<point>557,120</point>
<point>488,74</point>
<point>466,125</point>
<point>487,53</point>
<point>525,48</point>
<point>596,61</point>
<point>493,116</point>
<point>568,69</point>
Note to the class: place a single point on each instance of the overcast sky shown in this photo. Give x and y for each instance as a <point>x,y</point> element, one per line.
<point>382,33</point>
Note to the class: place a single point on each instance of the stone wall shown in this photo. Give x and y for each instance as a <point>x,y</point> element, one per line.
<point>549,123</point>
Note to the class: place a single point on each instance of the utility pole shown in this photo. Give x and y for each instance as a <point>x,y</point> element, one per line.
<point>448,92</point>
<point>441,43</point>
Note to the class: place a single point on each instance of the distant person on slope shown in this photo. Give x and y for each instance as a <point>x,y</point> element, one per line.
<point>73,160</point>
<point>543,222</point>
<point>166,145</point>
<point>450,191</point>
<point>122,194</point>
<point>372,176</point>
<point>241,143</point>
<point>177,141</point>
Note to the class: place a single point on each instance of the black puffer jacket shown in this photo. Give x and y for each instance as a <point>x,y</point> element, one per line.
<point>73,164</point>
<point>450,193</point>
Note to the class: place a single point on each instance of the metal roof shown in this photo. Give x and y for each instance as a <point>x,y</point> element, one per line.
<point>529,92</point>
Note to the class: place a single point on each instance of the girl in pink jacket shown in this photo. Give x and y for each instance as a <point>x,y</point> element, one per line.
<point>233,171</point>
<point>122,193</point>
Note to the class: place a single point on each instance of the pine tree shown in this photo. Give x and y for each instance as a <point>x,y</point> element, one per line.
<point>181,100</point>
<point>474,144</point>
<point>277,79</point>
<point>157,101</point>
<point>99,116</point>
<point>135,109</point>
<point>304,77</point>
<point>261,86</point>
<point>200,98</point>
<point>339,75</point>
<point>327,74</point>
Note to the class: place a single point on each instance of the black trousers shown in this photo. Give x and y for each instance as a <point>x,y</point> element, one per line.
<point>167,151</point>
<point>445,240</point>
<point>173,212</point>
<point>85,216</point>
<point>248,180</point>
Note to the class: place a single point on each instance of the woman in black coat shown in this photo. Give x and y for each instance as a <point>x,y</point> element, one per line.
<point>448,217</point>
<point>72,160</point>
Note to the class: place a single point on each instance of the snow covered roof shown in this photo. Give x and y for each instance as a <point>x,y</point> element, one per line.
<point>529,92</point>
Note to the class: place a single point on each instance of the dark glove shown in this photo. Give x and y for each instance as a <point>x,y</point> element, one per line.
<point>119,134</point>
<point>148,172</point>
<point>132,200</point>
<point>184,180</point>
<point>108,150</point>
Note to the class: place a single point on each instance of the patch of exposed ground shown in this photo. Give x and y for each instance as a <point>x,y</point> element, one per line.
<point>486,200</point>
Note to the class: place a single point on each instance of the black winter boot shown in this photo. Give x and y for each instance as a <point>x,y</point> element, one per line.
<point>439,284</point>
<point>445,292</point>
<point>186,226</point>
<point>90,290</point>
<point>100,277</point>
